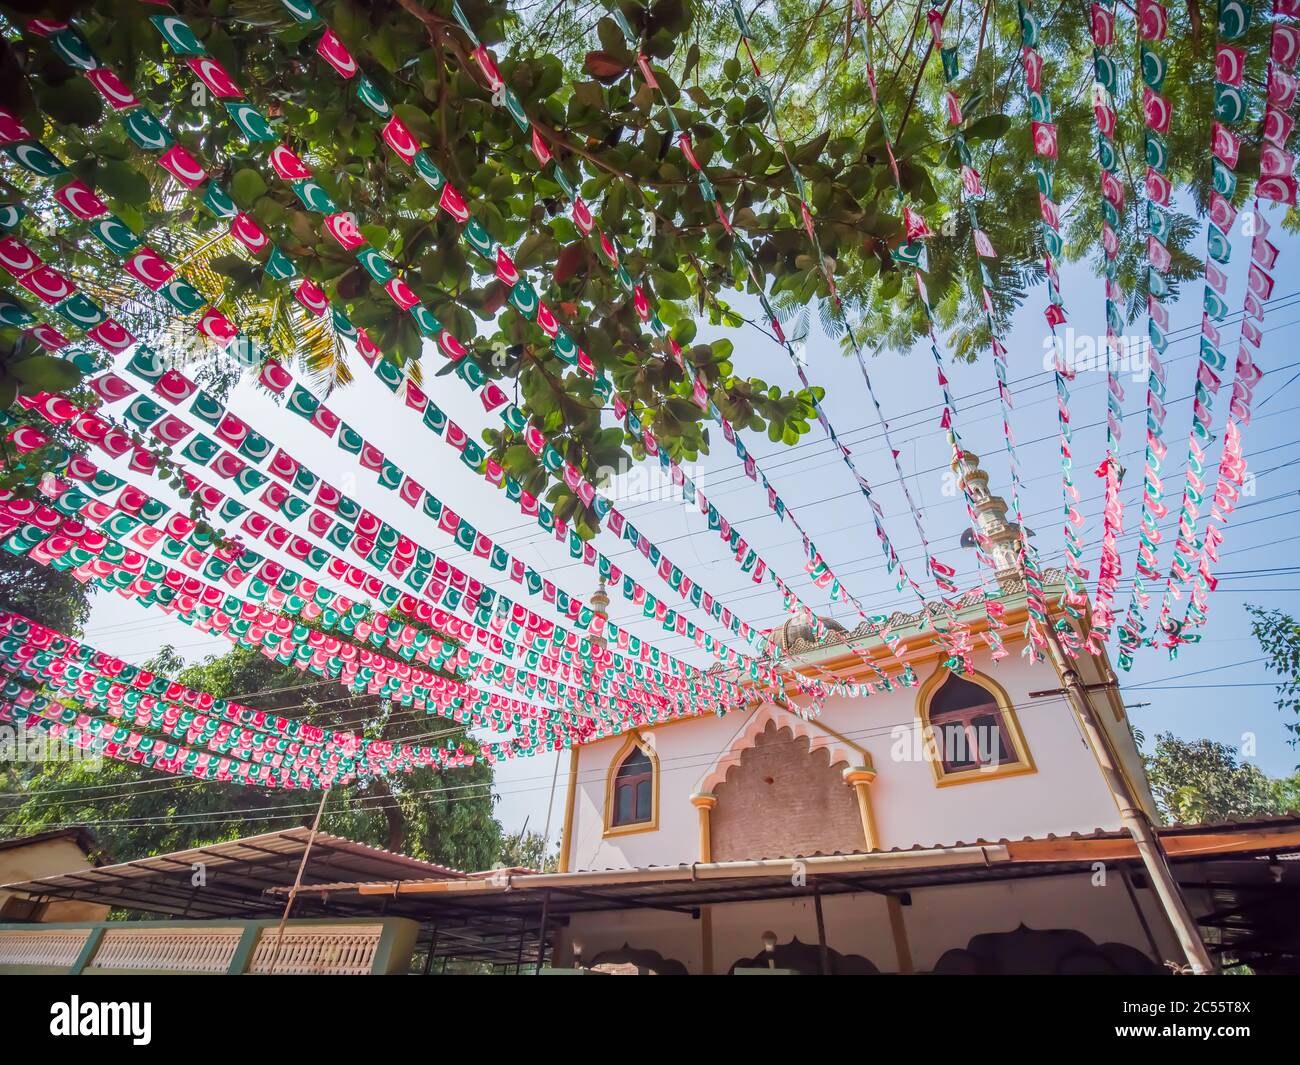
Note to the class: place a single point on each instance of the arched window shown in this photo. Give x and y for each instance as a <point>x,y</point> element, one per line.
<point>972,729</point>
<point>632,798</point>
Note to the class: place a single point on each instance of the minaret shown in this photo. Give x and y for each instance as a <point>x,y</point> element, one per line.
<point>991,512</point>
<point>600,605</point>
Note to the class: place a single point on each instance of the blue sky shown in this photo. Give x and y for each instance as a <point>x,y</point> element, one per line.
<point>1219,689</point>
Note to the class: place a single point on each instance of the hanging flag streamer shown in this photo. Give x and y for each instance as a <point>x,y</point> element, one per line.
<point>1276,183</point>
<point>972,186</point>
<point>1231,106</point>
<point>1043,136</point>
<point>46,529</point>
<point>805,219</point>
<point>96,555</point>
<point>24,708</point>
<point>955,640</point>
<point>450,587</point>
<point>79,672</point>
<point>379,545</point>
<point>1153,27</point>
<point>289,168</point>
<point>214,325</point>
<point>893,562</point>
<point>643,301</point>
<point>273,633</point>
<point>1104,89</point>
<point>332,749</point>
<point>912,254</point>
<point>146,366</point>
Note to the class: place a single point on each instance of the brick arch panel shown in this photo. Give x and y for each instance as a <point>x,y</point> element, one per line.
<point>780,799</point>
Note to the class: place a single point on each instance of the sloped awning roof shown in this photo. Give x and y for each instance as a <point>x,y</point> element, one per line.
<point>236,876</point>
<point>485,917</point>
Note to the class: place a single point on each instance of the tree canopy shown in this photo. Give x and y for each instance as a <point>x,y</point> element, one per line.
<point>577,78</point>
<point>1278,635</point>
<point>1197,781</point>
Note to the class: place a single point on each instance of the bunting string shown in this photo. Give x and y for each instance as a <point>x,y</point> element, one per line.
<point>744,257</point>
<point>1105,87</point>
<point>805,219</point>
<point>1231,106</point>
<point>85,553</point>
<point>330,48</point>
<point>1276,183</point>
<point>578,662</point>
<point>79,672</point>
<point>26,266</point>
<point>1043,137</point>
<point>1153,27</point>
<point>972,191</point>
<point>343,228</point>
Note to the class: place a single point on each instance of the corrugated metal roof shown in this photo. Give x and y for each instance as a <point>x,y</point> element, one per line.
<point>1257,831</point>
<point>231,879</point>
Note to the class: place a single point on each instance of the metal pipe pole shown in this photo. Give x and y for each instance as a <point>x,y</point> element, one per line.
<point>822,953</point>
<point>541,934</point>
<point>297,882</point>
<point>1131,815</point>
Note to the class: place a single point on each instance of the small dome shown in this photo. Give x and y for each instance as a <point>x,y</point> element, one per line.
<point>800,630</point>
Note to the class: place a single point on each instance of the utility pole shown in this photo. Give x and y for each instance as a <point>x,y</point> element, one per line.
<point>1005,540</point>
<point>1131,815</point>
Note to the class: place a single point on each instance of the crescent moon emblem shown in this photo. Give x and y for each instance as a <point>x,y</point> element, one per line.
<point>288,165</point>
<point>453,203</point>
<point>214,76</point>
<point>335,53</point>
<point>1278,126</point>
<point>399,138</point>
<point>150,268</point>
<point>248,233</point>
<point>16,257</point>
<point>183,166</point>
<point>1273,162</point>
<point>47,283</point>
<point>81,200</point>
<point>1228,64</point>
<point>401,293</point>
<point>1153,21</point>
<point>582,216</point>
<point>112,88</point>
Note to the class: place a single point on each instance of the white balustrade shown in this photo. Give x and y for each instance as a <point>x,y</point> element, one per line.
<point>37,946</point>
<point>336,950</point>
<point>182,950</point>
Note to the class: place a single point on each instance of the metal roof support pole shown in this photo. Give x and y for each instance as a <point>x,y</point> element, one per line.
<point>433,947</point>
<point>821,930</point>
<point>541,933</point>
<point>1131,814</point>
<point>297,882</point>
<point>1142,917</point>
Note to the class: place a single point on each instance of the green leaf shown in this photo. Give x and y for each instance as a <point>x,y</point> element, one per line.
<point>988,127</point>
<point>123,182</point>
<point>47,373</point>
<point>417,121</point>
<point>75,102</point>
<point>246,186</point>
<point>812,151</point>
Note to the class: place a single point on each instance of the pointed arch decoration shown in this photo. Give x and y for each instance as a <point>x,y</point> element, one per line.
<point>1014,756</point>
<point>634,742</point>
<point>818,736</point>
